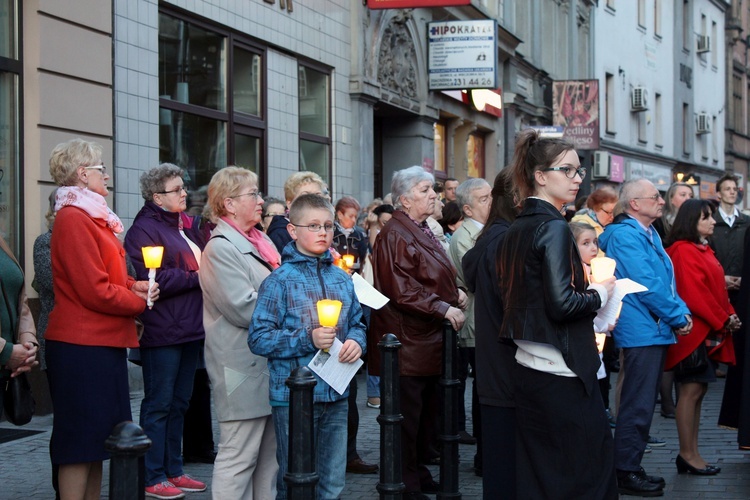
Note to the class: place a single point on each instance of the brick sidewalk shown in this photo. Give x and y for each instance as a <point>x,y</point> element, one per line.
<point>25,471</point>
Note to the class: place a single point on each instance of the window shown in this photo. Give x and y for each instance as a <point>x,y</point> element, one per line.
<point>714,45</point>
<point>714,140</point>
<point>314,121</point>
<point>658,121</point>
<point>685,129</point>
<point>642,13</point>
<point>10,128</point>
<point>657,18</point>
<point>439,145</point>
<point>609,103</point>
<point>611,4</point>
<point>738,108</point>
<point>212,104</point>
<point>686,31</point>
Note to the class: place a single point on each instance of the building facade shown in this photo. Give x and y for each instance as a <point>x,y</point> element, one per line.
<point>737,123</point>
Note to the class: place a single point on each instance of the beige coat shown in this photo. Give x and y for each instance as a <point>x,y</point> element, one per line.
<point>230,275</point>
<point>462,241</point>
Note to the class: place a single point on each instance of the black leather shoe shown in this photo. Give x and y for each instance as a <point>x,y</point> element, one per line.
<point>466,438</point>
<point>431,487</point>
<point>683,466</point>
<point>631,483</point>
<point>358,466</point>
<point>652,479</point>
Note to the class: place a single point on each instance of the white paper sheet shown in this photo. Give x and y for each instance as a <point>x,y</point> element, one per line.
<point>367,294</point>
<point>329,368</point>
<point>609,312</point>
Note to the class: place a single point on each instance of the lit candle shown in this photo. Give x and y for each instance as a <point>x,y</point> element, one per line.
<point>600,337</point>
<point>328,312</point>
<point>602,268</point>
<point>348,260</point>
<point>152,260</point>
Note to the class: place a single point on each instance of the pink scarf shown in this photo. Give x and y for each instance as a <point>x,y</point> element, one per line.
<point>90,202</point>
<point>255,237</point>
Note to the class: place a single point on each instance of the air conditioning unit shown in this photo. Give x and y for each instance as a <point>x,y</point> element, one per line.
<point>703,123</point>
<point>704,43</point>
<point>639,99</point>
<point>601,165</point>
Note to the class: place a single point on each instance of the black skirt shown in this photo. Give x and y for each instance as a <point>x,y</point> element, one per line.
<point>90,395</point>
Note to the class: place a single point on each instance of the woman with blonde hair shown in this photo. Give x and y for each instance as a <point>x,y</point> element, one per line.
<point>92,322</point>
<point>237,258</point>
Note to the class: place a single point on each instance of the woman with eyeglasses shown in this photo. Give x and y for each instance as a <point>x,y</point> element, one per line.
<point>236,260</point>
<point>415,273</point>
<point>173,328</point>
<point>564,445</point>
<point>271,208</point>
<point>599,211</point>
<point>92,320</point>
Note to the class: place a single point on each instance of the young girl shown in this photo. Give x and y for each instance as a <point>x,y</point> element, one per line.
<point>588,247</point>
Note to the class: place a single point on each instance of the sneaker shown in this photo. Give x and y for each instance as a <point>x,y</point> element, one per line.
<point>373,403</point>
<point>187,483</point>
<point>648,449</point>
<point>164,490</point>
<point>655,442</point>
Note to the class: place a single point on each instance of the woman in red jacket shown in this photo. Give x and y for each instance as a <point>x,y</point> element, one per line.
<point>92,321</point>
<point>700,283</point>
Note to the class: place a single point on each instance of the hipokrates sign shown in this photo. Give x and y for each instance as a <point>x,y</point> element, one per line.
<point>410,4</point>
<point>462,55</point>
<point>575,107</point>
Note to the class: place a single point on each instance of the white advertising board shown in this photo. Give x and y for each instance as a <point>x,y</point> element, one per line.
<point>462,55</point>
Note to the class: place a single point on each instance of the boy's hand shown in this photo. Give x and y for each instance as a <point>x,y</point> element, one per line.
<point>323,336</point>
<point>350,352</point>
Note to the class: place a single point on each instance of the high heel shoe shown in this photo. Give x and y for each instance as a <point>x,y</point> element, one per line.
<point>683,467</point>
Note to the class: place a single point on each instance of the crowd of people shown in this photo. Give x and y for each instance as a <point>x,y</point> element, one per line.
<point>231,312</point>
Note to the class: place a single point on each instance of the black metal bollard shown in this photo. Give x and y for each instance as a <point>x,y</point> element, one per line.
<point>391,485</point>
<point>449,429</point>
<point>127,444</point>
<point>301,477</point>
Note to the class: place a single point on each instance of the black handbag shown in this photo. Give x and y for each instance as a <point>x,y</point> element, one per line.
<point>695,362</point>
<point>18,402</point>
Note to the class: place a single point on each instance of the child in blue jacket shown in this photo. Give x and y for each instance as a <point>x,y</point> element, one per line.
<point>286,330</point>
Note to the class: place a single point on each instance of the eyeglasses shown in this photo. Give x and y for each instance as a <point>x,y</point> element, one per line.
<point>608,212</point>
<point>101,168</point>
<point>314,228</point>
<point>174,191</point>
<point>569,171</point>
<point>254,194</point>
<point>652,198</point>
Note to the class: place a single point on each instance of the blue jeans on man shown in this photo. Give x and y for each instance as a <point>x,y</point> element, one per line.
<point>168,374</point>
<point>329,428</point>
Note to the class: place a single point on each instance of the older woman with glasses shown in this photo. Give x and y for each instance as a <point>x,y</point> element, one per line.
<point>173,329</point>
<point>92,321</point>
<point>235,262</point>
<point>599,211</point>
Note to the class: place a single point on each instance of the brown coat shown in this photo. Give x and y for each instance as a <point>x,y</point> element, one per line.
<point>25,321</point>
<point>420,282</point>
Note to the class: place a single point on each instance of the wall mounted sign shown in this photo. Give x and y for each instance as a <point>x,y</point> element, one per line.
<point>462,55</point>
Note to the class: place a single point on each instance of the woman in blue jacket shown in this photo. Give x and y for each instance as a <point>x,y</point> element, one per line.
<point>173,331</point>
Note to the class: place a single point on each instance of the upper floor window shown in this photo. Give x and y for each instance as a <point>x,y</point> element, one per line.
<point>314,121</point>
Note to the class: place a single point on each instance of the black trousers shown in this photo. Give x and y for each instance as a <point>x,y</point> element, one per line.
<point>499,452</point>
<point>419,407</point>
<point>352,423</point>
<point>197,433</point>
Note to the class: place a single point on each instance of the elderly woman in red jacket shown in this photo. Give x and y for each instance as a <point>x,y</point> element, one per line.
<point>415,273</point>
<point>700,283</point>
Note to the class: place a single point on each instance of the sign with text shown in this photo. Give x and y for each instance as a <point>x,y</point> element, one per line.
<point>462,55</point>
<point>411,4</point>
<point>575,107</point>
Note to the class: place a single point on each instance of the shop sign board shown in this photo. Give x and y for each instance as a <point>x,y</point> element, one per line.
<point>412,4</point>
<point>462,55</point>
<point>616,168</point>
<point>575,106</point>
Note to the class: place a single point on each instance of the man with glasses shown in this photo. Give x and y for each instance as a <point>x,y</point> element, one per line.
<point>647,326</point>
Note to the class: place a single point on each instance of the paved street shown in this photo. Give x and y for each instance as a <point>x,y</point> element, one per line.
<point>25,470</point>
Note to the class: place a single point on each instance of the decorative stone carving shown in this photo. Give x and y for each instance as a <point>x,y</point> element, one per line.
<point>397,60</point>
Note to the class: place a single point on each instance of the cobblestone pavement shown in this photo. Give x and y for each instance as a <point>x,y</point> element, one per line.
<point>25,468</point>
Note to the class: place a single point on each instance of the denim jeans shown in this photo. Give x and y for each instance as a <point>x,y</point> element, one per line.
<point>329,427</point>
<point>168,374</point>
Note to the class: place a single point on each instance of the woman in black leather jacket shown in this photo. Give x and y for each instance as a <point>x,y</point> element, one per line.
<point>565,447</point>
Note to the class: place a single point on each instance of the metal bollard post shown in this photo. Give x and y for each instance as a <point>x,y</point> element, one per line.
<point>301,477</point>
<point>449,429</point>
<point>127,444</point>
<point>391,485</point>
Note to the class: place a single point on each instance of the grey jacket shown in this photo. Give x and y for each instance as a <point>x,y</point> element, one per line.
<point>230,275</point>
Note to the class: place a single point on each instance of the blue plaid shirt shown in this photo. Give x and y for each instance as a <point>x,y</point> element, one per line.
<point>286,314</point>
